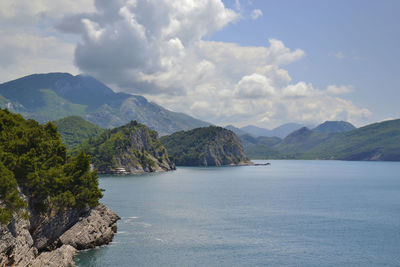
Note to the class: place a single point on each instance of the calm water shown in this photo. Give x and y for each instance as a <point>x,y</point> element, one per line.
<point>292,213</point>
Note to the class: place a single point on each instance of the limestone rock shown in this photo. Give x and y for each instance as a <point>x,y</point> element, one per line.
<point>47,228</point>
<point>16,243</point>
<point>61,257</point>
<point>53,239</point>
<point>95,229</point>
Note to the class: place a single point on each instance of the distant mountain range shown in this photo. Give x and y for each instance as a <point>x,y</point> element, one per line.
<point>281,131</point>
<point>52,96</point>
<point>331,140</point>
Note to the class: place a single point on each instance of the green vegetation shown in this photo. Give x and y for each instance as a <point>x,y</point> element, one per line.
<point>334,127</point>
<point>33,158</point>
<point>48,97</point>
<point>133,147</point>
<point>74,130</point>
<point>9,195</point>
<point>299,141</point>
<point>378,141</point>
<point>260,147</point>
<point>206,146</point>
<point>55,107</point>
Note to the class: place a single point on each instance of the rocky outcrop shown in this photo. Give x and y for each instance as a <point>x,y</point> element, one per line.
<point>96,229</point>
<point>63,256</point>
<point>53,239</point>
<point>129,149</point>
<point>207,146</point>
<point>16,244</point>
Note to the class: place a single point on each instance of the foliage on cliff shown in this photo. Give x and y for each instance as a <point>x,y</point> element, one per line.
<point>133,147</point>
<point>74,130</point>
<point>206,146</point>
<point>33,158</point>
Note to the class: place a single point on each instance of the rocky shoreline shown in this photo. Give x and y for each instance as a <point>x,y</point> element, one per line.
<point>54,238</point>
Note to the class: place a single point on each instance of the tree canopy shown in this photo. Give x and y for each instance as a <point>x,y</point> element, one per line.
<point>34,160</point>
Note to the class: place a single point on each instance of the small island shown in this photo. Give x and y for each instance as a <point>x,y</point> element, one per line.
<point>206,146</point>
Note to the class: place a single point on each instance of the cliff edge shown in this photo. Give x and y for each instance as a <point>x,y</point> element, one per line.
<point>53,239</point>
<point>207,146</point>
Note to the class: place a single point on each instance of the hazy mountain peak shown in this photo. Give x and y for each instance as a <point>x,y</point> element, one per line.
<point>334,127</point>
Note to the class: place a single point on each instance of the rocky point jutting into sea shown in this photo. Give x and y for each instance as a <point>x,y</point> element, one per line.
<point>49,201</point>
<point>52,239</point>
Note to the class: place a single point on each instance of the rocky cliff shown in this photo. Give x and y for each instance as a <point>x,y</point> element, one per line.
<point>52,239</point>
<point>207,146</point>
<point>49,201</point>
<point>132,148</point>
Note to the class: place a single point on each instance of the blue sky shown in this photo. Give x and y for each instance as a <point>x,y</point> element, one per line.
<point>234,62</point>
<point>354,42</point>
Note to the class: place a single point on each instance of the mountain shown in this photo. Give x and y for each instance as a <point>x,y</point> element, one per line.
<point>260,147</point>
<point>46,97</point>
<point>334,127</point>
<point>285,129</point>
<point>256,131</point>
<point>206,146</point>
<point>299,141</point>
<point>132,148</point>
<point>74,130</point>
<point>281,131</point>
<point>378,141</point>
<point>236,130</point>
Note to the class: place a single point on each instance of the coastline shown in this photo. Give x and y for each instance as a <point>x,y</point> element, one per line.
<point>54,239</point>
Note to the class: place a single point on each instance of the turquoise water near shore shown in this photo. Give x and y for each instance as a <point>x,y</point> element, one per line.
<point>291,213</point>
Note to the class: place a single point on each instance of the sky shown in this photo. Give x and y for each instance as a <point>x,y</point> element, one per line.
<point>240,62</point>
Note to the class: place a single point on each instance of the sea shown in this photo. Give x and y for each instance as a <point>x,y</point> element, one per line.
<point>289,213</point>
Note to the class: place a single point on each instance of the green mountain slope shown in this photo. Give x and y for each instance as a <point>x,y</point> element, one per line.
<point>334,127</point>
<point>300,141</point>
<point>207,146</point>
<point>378,141</point>
<point>260,147</point>
<point>133,147</point>
<point>52,96</point>
<point>74,130</point>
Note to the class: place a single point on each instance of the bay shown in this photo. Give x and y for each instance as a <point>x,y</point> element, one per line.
<point>291,213</point>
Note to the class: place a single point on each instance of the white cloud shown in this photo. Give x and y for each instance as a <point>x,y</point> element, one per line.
<point>339,90</point>
<point>256,13</point>
<point>29,43</point>
<point>157,48</point>
<point>28,11</point>
<point>24,54</point>
<point>299,90</point>
<point>254,86</point>
<point>166,60</point>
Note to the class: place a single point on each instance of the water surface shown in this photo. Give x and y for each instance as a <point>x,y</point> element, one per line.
<point>292,213</point>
